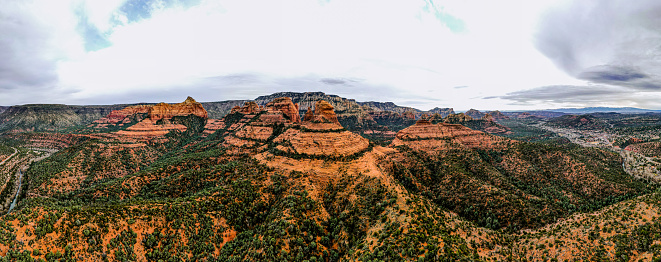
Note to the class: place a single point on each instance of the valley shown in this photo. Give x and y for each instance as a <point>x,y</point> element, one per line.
<point>316,177</point>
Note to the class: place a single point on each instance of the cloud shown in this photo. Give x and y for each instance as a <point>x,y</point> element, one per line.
<point>251,85</point>
<point>31,45</point>
<point>605,42</point>
<point>621,75</point>
<point>595,95</point>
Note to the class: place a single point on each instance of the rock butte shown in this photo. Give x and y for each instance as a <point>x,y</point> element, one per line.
<point>287,107</point>
<point>319,134</point>
<point>326,137</point>
<point>426,136</point>
<point>122,115</point>
<point>148,127</point>
<point>457,118</point>
<point>168,111</point>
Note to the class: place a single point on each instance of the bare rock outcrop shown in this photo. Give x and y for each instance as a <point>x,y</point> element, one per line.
<point>157,123</point>
<point>121,115</point>
<point>247,108</point>
<point>168,111</point>
<point>425,136</point>
<point>287,107</point>
<point>457,118</point>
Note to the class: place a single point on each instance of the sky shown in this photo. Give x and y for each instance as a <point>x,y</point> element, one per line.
<point>506,54</point>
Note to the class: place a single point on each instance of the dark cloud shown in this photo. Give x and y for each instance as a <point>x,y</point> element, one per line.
<point>566,94</point>
<point>333,81</point>
<point>339,81</point>
<point>608,42</point>
<point>620,75</point>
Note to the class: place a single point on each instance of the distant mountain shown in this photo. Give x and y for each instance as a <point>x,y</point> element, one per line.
<point>476,114</point>
<point>355,116</point>
<point>578,121</point>
<point>392,107</point>
<point>219,109</point>
<point>587,110</point>
<point>51,117</point>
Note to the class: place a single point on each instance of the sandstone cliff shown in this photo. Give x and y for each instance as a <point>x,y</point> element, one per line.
<point>167,111</point>
<point>286,107</point>
<point>158,118</point>
<point>425,136</point>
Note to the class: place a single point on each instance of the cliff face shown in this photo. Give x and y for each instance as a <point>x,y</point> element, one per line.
<point>324,112</point>
<point>425,136</point>
<point>148,121</point>
<point>217,110</point>
<point>167,111</point>
<point>51,117</point>
<point>121,117</point>
<point>318,135</point>
<point>286,106</point>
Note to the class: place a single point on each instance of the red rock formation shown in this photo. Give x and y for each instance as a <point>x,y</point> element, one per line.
<point>333,144</point>
<point>323,113</point>
<point>408,115</point>
<point>487,117</point>
<point>247,108</point>
<point>309,115</point>
<point>149,128</point>
<point>235,109</point>
<point>426,136</point>
<point>120,115</point>
<point>286,106</point>
<point>212,126</point>
<point>167,111</point>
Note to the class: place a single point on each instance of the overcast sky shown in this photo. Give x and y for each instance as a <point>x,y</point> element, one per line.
<point>459,53</point>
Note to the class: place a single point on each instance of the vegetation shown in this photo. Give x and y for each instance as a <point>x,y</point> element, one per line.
<point>190,197</point>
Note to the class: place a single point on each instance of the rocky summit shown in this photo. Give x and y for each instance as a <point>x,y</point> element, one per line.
<point>168,111</point>
<point>425,136</point>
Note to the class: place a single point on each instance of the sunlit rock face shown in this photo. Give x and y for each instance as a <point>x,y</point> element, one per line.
<point>426,136</point>
<point>167,111</point>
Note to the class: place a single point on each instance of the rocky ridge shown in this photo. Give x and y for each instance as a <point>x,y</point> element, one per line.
<point>149,121</point>
<point>475,114</point>
<point>425,136</point>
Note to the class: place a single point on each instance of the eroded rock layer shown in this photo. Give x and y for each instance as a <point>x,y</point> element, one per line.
<point>149,128</point>
<point>335,144</point>
<point>426,136</point>
<point>167,111</point>
<point>286,107</point>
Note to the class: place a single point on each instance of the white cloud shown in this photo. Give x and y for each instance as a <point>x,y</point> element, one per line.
<point>420,48</point>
